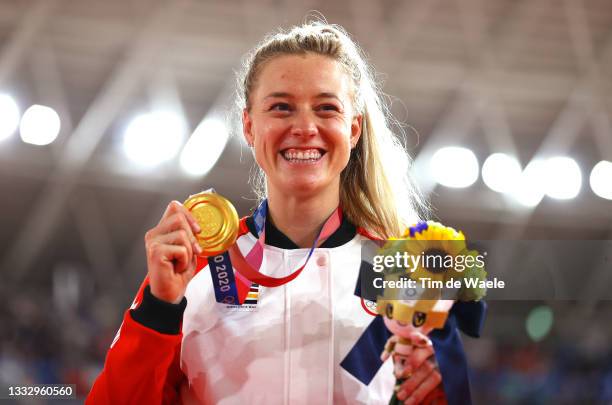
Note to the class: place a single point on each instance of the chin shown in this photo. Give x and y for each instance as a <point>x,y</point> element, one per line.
<point>304,188</point>
<point>307,185</point>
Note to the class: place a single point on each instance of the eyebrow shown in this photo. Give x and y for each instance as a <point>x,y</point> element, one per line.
<point>280,94</point>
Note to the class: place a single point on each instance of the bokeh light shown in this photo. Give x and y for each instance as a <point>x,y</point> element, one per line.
<point>454,166</point>
<point>39,125</point>
<point>563,178</point>
<point>153,138</point>
<point>501,172</point>
<point>531,187</point>
<point>204,147</point>
<point>539,322</point>
<point>601,179</point>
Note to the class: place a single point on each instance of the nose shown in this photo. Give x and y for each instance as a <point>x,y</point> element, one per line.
<point>304,125</point>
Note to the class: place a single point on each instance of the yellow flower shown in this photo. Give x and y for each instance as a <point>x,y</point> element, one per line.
<point>438,253</point>
<point>437,246</point>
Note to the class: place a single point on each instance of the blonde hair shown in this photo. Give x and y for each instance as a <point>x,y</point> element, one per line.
<point>376,193</point>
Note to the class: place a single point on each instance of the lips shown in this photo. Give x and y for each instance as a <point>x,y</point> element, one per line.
<point>302,155</point>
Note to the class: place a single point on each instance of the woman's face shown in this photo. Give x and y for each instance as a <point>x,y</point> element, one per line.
<point>302,123</point>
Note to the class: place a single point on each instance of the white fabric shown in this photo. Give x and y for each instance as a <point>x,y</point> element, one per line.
<point>288,349</point>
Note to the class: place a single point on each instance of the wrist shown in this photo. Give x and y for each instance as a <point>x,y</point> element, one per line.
<point>159,315</point>
<point>165,296</point>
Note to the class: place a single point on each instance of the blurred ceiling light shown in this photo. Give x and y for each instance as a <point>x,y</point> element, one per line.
<point>204,147</point>
<point>539,322</point>
<point>454,166</point>
<point>532,184</point>
<point>9,116</point>
<point>564,178</point>
<point>501,172</point>
<point>153,138</point>
<point>39,125</point>
<point>601,179</point>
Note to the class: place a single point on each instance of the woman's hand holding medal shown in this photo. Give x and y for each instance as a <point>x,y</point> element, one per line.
<point>206,224</point>
<point>172,251</point>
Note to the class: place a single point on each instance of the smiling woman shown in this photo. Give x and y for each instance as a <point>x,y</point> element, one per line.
<point>314,80</point>
<point>321,138</point>
<point>302,125</point>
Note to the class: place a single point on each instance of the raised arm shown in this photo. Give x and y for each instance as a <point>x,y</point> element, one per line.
<point>142,364</point>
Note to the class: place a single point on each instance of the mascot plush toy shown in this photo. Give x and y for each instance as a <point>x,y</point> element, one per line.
<point>409,342</point>
<point>411,314</point>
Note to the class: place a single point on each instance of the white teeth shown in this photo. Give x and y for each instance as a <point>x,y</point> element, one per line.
<point>311,155</point>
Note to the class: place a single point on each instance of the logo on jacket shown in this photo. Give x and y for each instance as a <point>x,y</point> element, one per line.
<point>250,303</point>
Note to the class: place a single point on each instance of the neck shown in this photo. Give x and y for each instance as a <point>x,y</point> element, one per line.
<point>301,218</point>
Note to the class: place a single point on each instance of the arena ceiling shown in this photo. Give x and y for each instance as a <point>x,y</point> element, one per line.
<point>526,77</point>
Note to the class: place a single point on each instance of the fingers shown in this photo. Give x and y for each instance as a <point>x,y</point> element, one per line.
<point>181,238</point>
<point>415,380</point>
<point>176,218</point>
<point>190,272</point>
<point>175,208</point>
<point>178,256</point>
<point>172,250</point>
<point>175,221</point>
<point>436,397</point>
<point>430,384</point>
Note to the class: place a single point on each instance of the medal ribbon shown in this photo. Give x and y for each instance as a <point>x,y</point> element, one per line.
<point>248,267</point>
<point>224,283</point>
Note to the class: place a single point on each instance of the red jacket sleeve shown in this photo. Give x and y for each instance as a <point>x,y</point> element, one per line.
<point>142,365</point>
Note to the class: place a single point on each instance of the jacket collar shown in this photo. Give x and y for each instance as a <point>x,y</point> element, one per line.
<point>345,233</point>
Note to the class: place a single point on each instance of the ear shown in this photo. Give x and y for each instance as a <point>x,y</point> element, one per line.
<point>356,129</point>
<point>247,124</point>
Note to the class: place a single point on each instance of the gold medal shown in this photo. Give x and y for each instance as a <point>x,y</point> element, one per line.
<point>218,221</point>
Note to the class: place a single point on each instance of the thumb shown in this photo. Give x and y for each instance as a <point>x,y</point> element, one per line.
<point>191,270</point>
